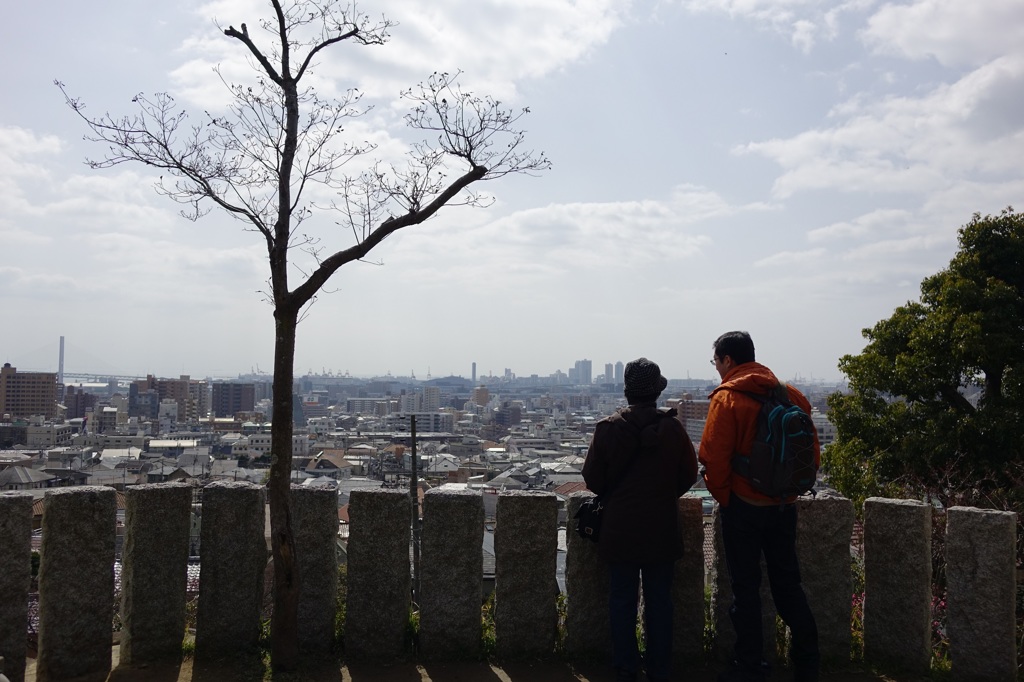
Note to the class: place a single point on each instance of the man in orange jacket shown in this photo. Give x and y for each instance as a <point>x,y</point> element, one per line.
<point>753,524</point>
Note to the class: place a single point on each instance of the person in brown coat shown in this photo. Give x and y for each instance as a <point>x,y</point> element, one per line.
<point>641,461</point>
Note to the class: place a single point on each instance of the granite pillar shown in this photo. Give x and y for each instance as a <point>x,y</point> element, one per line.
<point>315,525</point>
<point>76,584</point>
<point>588,633</point>
<point>824,528</point>
<point>379,579</point>
<point>451,591</point>
<point>688,588</point>
<point>232,562</point>
<point>15,576</point>
<point>981,593</point>
<point>897,584</point>
<point>525,548</point>
<point>154,571</point>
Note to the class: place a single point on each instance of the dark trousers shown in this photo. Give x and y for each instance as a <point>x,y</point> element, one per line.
<point>750,531</point>
<point>622,601</point>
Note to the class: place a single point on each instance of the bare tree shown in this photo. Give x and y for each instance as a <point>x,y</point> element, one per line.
<point>260,161</point>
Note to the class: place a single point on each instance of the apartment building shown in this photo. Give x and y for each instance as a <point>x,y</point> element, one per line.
<point>49,435</point>
<point>24,394</point>
<point>230,398</point>
<point>258,445</point>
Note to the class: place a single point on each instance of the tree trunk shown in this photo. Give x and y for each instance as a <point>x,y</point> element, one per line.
<point>284,634</point>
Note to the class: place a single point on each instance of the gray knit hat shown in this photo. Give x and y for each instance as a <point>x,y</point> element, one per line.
<point>643,381</point>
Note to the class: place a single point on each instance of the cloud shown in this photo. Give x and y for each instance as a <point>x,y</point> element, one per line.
<point>861,226</point>
<point>589,245</point>
<point>20,143</point>
<point>23,160</point>
<point>790,259</point>
<point>804,23</point>
<point>953,32</point>
<point>497,43</point>
<point>908,143</point>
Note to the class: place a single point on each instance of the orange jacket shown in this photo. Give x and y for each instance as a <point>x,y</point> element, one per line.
<point>730,429</point>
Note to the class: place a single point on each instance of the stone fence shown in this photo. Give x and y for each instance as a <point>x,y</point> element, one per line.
<point>76,579</point>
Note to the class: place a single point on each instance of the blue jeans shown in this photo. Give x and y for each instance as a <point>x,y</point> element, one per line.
<point>748,531</point>
<point>623,597</point>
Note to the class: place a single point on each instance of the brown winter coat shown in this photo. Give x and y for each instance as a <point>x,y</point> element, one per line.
<point>640,516</point>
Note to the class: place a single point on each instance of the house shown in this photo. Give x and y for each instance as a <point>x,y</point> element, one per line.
<point>22,478</point>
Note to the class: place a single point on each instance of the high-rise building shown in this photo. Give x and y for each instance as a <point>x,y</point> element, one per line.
<point>619,369</point>
<point>474,372</point>
<point>230,398</point>
<point>584,372</point>
<point>27,394</point>
<point>608,376</point>
<point>431,398</point>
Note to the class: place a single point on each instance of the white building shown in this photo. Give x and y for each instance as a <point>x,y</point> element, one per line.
<point>49,435</point>
<point>826,429</point>
<point>258,445</point>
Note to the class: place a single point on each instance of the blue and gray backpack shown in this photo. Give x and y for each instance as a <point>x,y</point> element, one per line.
<point>781,463</point>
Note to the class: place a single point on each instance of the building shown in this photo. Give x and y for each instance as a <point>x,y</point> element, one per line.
<point>826,429</point>
<point>374,406</point>
<point>258,445</point>
<point>26,394</point>
<point>434,422</point>
<point>481,396</point>
<point>49,435</point>
<point>145,395</point>
<point>583,372</point>
<point>431,399</point>
<point>231,398</point>
<point>78,402</point>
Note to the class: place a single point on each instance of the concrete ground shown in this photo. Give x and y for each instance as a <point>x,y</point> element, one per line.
<point>474,671</point>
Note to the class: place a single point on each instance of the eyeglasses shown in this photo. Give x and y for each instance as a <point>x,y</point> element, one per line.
<point>714,361</point>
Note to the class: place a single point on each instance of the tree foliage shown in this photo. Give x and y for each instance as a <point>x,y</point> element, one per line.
<point>936,401</point>
<point>277,159</point>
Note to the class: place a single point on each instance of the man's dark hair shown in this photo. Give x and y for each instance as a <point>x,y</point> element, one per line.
<point>737,345</point>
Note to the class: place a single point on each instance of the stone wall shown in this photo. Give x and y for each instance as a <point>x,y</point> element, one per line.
<point>76,579</point>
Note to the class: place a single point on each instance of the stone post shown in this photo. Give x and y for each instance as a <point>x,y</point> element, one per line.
<point>15,575</point>
<point>721,601</point>
<point>525,589</point>
<point>76,584</point>
<point>588,633</point>
<point>233,557</point>
<point>981,592</point>
<point>824,528</point>
<point>897,584</point>
<point>315,525</point>
<point>688,588</point>
<point>451,567</point>
<point>379,580</point>
<point>154,571</point>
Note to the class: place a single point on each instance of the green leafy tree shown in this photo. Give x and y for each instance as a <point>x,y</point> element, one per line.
<point>275,147</point>
<point>936,401</point>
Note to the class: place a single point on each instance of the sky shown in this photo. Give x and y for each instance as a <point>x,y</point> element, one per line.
<point>793,168</point>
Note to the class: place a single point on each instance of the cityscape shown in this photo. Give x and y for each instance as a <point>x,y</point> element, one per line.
<point>504,431</point>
